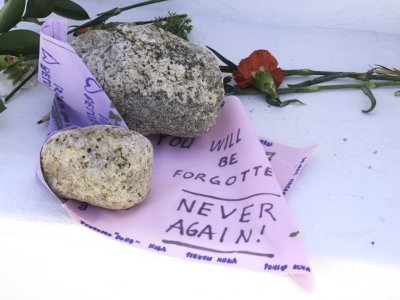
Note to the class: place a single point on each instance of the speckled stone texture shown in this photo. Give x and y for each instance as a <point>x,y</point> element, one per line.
<point>159,82</point>
<point>107,166</point>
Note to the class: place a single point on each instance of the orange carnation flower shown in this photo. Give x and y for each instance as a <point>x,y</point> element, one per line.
<point>259,60</point>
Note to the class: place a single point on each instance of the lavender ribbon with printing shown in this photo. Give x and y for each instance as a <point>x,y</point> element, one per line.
<point>218,198</point>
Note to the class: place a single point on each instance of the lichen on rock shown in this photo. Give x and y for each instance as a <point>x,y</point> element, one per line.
<point>160,83</point>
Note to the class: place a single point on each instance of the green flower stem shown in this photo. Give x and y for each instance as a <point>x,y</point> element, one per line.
<point>317,88</point>
<point>300,72</point>
<point>325,75</point>
<point>383,77</point>
<point>20,85</point>
<point>306,72</point>
<point>140,4</point>
<point>359,76</point>
<point>2,106</point>
<point>329,77</point>
<point>226,69</point>
<point>104,16</point>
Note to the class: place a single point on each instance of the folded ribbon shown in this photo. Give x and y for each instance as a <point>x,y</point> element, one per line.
<point>215,198</point>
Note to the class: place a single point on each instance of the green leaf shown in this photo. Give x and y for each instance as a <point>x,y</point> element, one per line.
<point>10,14</point>
<point>371,97</point>
<point>227,79</point>
<point>291,101</point>
<point>176,24</point>
<point>386,71</point>
<point>2,106</point>
<point>7,61</point>
<point>273,101</point>
<point>39,8</point>
<point>70,10</point>
<point>18,70</point>
<point>19,42</point>
<point>228,89</point>
<point>34,20</point>
<point>223,59</point>
<point>278,103</point>
<point>226,69</point>
<point>15,73</point>
<point>397,93</point>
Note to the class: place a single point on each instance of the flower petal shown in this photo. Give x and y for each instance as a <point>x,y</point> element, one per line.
<point>258,60</point>
<point>278,76</point>
<point>241,80</point>
<point>267,60</point>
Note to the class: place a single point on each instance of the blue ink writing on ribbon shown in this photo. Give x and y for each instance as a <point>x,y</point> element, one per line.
<point>226,142</point>
<point>45,74</point>
<point>227,260</point>
<point>290,182</point>
<point>288,186</point>
<point>175,141</point>
<point>301,267</point>
<point>48,58</point>
<point>198,256</point>
<point>126,239</point>
<point>58,90</point>
<point>92,86</point>
<point>228,181</point>
<point>269,267</point>
<point>90,107</point>
<point>266,143</point>
<point>95,228</point>
<point>300,166</point>
<point>157,248</point>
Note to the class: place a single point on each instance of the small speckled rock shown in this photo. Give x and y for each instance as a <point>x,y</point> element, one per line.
<point>107,166</point>
<point>159,82</point>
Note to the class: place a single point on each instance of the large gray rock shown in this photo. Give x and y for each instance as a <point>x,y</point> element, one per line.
<point>107,166</point>
<point>159,82</point>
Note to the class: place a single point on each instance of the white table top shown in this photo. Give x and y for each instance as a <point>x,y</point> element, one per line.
<point>346,201</point>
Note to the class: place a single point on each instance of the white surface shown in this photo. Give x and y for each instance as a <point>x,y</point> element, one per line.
<point>346,201</point>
